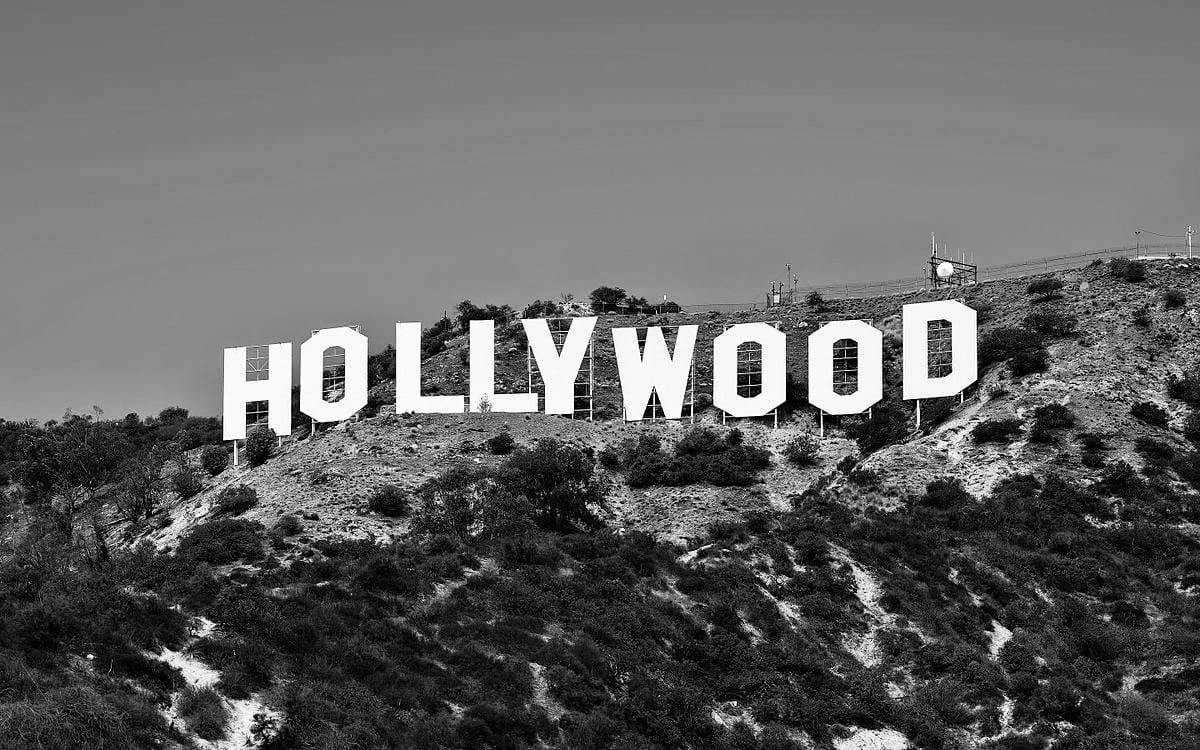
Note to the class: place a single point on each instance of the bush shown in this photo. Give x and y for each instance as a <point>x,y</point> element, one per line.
<point>815,299</point>
<point>1142,317</point>
<point>236,500</point>
<point>1051,323</point>
<point>1174,298</point>
<point>260,442</point>
<point>945,494</point>
<point>1047,418</point>
<point>609,458</point>
<point>214,459</point>
<point>1129,270</point>
<point>558,481</point>
<point>1028,362</point>
<point>802,450</point>
<point>1185,388</point>
<point>223,541</point>
<point>390,501</point>
<point>1150,413</point>
<point>186,483</point>
<point>887,424</point>
<point>997,430</point>
<point>1191,427</point>
<point>204,712</point>
<point>1045,287</point>
<point>701,455</point>
<point>1022,348</point>
<point>501,444</point>
<point>288,525</point>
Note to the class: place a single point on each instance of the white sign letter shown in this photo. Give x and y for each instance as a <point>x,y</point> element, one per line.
<point>483,374</point>
<point>867,366</point>
<point>312,374</point>
<point>275,389</point>
<point>655,371</point>
<point>408,377</point>
<point>774,370</point>
<point>559,371</point>
<point>964,367</point>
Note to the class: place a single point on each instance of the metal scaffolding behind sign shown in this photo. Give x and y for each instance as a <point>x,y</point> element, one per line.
<point>750,371</point>
<point>654,408</point>
<point>585,379</point>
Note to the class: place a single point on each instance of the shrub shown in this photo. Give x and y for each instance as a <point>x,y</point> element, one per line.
<point>1047,418</point>
<point>288,525</point>
<point>223,541</point>
<point>1051,323</point>
<point>701,455</point>
<point>1022,348</point>
<point>1028,362</point>
<point>802,450</point>
<point>390,501</point>
<point>1150,413</point>
<point>259,445</point>
<point>214,459</point>
<point>815,299</point>
<point>1156,452</point>
<point>609,458</point>
<point>1045,287</point>
<point>236,500</point>
<point>1191,426</point>
<point>945,494</point>
<point>204,712</point>
<point>997,430</point>
<point>558,481</point>
<point>1174,298</point>
<point>1141,317</point>
<point>186,483</point>
<point>863,477</point>
<point>1185,388</point>
<point>886,425</point>
<point>1129,270</point>
<point>501,444</point>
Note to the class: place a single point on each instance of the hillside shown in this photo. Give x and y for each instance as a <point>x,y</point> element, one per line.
<point>1019,570</point>
<point>1108,365</point>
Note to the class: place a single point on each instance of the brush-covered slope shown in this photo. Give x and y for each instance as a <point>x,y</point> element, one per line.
<point>1018,570</point>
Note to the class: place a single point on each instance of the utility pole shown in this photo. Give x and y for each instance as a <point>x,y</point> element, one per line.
<point>1138,252</point>
<point>1189,238</point>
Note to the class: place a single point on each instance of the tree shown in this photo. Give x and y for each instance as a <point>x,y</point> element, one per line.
<point>1046,287</point>
<point>468,311</point>
<point>143,485</point>
<point>559,482</point>
<point>453,503</point>
<point>605,297</point>
<point>71,463</point>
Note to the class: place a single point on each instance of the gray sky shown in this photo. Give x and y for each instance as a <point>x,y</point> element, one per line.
<point>176,177</point>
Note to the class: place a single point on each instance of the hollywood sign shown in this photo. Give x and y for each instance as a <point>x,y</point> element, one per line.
<point>644,369</point>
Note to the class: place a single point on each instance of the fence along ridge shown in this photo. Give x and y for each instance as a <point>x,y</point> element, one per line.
<point>994,272</point>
